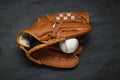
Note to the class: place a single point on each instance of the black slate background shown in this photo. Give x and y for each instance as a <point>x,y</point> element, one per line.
<point>100,59</point>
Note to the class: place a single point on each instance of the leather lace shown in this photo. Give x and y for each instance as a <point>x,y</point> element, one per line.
<point>57,24</point>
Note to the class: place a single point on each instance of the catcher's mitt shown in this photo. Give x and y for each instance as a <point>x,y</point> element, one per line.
<point>40,41</point>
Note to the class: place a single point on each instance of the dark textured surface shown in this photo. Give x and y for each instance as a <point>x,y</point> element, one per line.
<point>100,59</point>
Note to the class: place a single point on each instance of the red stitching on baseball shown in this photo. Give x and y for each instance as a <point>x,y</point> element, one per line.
<point>66,50</point>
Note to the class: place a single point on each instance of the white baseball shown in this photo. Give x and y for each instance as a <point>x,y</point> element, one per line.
<point>69,45</point>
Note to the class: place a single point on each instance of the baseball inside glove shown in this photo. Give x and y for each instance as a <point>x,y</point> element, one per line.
<point>41,41</point>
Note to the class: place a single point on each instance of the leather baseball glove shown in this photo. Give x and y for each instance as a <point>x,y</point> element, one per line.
<point>41,41</point>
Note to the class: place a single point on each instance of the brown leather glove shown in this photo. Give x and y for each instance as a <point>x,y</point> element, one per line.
<point>41,41</point>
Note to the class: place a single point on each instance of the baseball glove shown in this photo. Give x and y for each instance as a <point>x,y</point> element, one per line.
<point>41,41</point>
